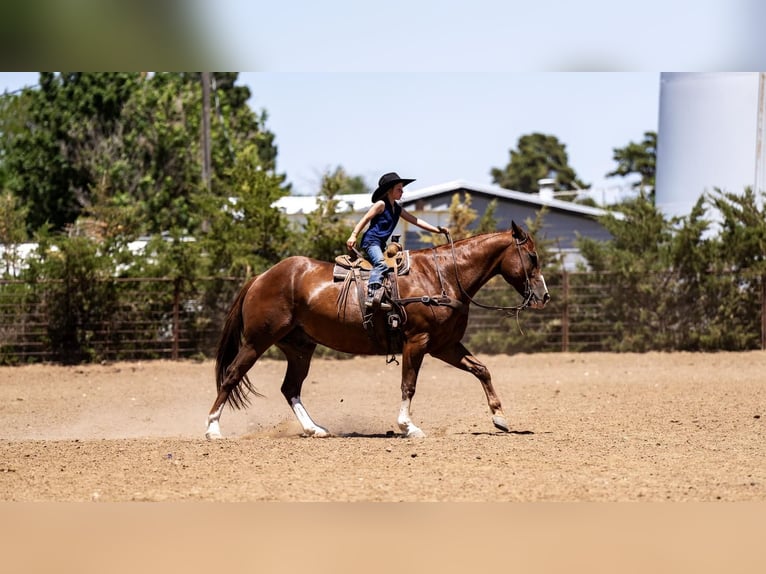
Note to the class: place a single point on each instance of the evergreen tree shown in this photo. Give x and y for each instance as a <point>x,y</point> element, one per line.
<point>43,161</point>
<point>246,233</point>
<point>638,158</point>
<point>85,143</point>
<point>684,283</point>
<point>538,156</point>
<point>325,230</point>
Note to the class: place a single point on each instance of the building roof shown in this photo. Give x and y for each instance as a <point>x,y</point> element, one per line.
<point>531,198</point>
<point>296,204</point>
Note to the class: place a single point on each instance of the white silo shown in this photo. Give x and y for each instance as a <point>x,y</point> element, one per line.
<point>711,134</point>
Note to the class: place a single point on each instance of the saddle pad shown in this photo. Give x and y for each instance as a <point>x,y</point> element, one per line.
<point>343,266</point>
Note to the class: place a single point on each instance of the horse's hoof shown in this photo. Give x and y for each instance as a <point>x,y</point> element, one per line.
<point>213,435</point>
<point>500,423</point>
<point>318,432</point>
<point>415,433</point>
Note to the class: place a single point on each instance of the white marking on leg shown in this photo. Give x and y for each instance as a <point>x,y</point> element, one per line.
<point>213,427</point>
<point>405,422</point>
<point>308,424</point>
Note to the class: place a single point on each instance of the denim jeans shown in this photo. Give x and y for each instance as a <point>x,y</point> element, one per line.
<point>375,255</point>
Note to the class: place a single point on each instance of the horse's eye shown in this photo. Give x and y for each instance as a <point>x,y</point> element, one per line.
<point>533,258</point>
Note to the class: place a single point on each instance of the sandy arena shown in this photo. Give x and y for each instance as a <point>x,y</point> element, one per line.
<point>585,427</point>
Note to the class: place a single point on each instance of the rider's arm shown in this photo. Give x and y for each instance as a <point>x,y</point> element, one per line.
<point>407,216</point>
<point>376,209</point>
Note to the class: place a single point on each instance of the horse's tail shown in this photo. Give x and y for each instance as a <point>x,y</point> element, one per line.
<point>228,348</point>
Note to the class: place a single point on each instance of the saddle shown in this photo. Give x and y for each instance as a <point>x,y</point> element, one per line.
<point>396,258</point>
<point>354,270</point>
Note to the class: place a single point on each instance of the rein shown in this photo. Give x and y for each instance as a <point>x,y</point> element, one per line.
<point>516,309</point>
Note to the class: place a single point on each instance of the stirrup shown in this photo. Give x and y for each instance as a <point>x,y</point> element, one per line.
<point>382,305</point>
<point>375,302</point>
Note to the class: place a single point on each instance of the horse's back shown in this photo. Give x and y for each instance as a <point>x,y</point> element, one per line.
<point>296,265</point>
<point>291,278</point>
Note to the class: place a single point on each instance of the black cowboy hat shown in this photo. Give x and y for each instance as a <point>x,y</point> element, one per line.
<point>386,182</point>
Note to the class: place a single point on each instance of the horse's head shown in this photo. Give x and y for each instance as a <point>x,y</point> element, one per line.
<point>520,267</point>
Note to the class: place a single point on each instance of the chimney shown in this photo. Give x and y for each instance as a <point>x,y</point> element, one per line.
<point>546,187</point>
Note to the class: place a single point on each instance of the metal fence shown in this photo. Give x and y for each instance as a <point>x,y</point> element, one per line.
<point>572,321</point>
<point>587,312</point>
<point>124,319</point>
<point>155,318</point>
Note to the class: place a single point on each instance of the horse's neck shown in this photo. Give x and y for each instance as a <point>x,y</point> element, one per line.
<point>478,259</point>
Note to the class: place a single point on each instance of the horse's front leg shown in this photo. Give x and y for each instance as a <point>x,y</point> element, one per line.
<point>458,356</point>
<point>412,359</point>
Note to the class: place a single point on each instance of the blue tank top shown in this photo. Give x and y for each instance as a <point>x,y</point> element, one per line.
<point>382,226</point>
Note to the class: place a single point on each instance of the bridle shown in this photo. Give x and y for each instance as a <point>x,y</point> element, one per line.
<point>528,294</point>
<point>448,301</point>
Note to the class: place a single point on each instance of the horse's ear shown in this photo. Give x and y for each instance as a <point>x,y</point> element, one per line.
<point>517,231</point>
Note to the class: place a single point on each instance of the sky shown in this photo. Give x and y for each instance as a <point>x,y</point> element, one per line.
<point>441,126</point>
<point>438,127</point>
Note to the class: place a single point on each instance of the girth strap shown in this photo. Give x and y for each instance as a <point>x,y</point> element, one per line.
<point>366,317</point>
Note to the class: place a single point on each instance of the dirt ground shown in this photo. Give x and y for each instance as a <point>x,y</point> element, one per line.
<point>585,427</point>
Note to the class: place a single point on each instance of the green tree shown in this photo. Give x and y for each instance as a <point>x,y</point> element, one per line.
<point>742,246</point>
<point>538,156</point>
<point>71,278</point>
<point>352,184</point>
<point>86,142</point>
<point>638,158</point>
<point>43,160</point>
<point>246,233</point>
<point>163,133</point>
<point>325,230</point>
<point>634,267</point>
<point>685,283</point>
<point>737,269</point>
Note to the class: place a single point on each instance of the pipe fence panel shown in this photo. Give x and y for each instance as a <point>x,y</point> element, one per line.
<point>158,318</point>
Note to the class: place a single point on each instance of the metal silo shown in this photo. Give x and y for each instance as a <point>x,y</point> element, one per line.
<point>711,135</point>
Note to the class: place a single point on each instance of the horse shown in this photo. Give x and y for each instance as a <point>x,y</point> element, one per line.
<point>297,305</point>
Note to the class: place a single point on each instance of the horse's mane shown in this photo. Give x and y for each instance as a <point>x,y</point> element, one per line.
<point>478,239</point>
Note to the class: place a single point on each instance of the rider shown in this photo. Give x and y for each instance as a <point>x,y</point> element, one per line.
<point>383,216</point>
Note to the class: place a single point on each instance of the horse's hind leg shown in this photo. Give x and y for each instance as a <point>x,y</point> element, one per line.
<point>245,359</point>
<point>460,357</point>
<point>298,350</point>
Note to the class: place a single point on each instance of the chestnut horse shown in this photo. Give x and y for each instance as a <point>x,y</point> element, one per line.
<point>296,305</point>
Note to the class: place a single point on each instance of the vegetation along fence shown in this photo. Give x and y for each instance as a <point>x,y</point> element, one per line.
<point>151,318</point>
<point>120,319</point>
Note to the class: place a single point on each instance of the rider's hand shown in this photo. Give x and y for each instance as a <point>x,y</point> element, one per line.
<point>443,230</point>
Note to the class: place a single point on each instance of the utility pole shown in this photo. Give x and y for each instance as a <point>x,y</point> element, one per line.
<point>206,164</point>
<point>759,183</point>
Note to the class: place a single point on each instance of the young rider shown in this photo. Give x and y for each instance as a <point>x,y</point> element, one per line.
<point>383,216</point>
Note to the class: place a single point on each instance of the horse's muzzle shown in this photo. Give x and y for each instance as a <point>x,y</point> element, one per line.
<point>539,303</point>
<point>540,295</point>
